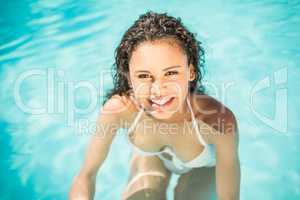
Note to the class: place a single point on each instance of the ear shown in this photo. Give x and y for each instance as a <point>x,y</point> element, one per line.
<point>192,72</point>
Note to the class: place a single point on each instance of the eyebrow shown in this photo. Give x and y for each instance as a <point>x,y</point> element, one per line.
<point>167,68</point>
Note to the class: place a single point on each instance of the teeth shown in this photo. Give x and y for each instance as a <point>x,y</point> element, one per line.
<point>161,101</point>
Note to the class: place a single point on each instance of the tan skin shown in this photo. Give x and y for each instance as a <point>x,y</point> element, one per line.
<point>151,75</point>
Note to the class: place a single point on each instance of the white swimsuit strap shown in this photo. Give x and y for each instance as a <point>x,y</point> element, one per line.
<point>135,120</point>
<point>195,124</point>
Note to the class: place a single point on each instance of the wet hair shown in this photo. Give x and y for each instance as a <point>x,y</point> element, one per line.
<point>153,26</point>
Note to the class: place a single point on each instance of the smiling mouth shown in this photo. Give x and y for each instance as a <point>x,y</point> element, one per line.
<point>160,104</point>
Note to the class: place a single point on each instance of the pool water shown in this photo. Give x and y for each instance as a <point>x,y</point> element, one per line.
<point>55,60</point>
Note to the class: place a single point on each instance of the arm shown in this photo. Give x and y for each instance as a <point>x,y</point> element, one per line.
<point>228,166</point>
<point>108,122</point>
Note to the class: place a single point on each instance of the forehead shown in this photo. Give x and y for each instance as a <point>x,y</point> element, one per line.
<point>157,55</point>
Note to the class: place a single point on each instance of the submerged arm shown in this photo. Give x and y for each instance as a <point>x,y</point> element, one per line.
<point>108,122</point>
<point>228,173</point>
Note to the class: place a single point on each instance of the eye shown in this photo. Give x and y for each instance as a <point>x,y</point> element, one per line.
<point>171,73</point>
<point>144,76</point>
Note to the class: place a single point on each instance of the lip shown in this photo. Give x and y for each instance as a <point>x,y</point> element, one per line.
<point>158,106</point>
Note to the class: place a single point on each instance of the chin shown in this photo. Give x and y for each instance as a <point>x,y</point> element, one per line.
<point>161,116</point>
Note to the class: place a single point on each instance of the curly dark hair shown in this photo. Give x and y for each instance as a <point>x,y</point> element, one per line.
<point>149,27</point>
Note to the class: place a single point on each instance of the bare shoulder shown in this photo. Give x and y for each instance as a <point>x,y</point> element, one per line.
<point>218,117</point>
<point>117,109</point>
<point>116,104</point>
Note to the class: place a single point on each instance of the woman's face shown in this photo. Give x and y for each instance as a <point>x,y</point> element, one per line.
<point>159,76</point>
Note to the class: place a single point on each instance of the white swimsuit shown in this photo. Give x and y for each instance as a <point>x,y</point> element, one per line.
<point>207,158</point>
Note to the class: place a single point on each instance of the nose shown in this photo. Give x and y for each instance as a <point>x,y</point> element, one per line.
<point>156,88</point>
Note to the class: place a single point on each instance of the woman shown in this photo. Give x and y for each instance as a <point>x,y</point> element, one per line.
<point>156,85</point>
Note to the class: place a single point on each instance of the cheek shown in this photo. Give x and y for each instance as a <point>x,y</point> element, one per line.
<point>178,87</point>
<point>142,89</point>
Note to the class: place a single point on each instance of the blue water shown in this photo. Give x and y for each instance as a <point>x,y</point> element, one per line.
<point>252,50</point>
